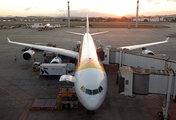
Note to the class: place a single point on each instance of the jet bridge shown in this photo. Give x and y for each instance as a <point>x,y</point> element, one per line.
<point>135,59</point>
<point>148,74</point>
<point>147,81</point>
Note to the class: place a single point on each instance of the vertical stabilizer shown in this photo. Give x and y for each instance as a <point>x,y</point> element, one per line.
<point>87,28</point>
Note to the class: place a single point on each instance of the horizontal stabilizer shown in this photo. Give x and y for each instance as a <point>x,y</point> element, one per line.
<point>143,45</point>
<point>99,33</point>
<point>102,44</point>
<point>75,33</point>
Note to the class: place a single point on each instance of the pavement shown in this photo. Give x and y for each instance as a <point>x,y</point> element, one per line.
<point>20,85</point>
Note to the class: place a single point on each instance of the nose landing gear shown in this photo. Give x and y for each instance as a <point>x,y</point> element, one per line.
<point>92,113</point>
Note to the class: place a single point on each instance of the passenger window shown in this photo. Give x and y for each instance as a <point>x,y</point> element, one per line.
<point>88,91</point>
<point>82,89</point>
<point>100,89</point>
<point>95,91</point>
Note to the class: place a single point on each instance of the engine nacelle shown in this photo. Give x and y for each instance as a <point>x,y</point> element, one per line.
<point>28,55</point>
<point>146,51</point>
<point>57,60</point>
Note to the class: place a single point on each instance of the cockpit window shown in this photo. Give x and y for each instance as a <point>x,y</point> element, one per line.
<point>95,91</point>
<point>100,89</point>
<point>89,91</point>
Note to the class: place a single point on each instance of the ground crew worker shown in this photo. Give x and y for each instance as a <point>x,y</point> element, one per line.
<point>15,57</point>
<point>34,58</point>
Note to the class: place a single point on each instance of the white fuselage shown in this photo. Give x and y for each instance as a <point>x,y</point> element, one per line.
<point>91,79</point>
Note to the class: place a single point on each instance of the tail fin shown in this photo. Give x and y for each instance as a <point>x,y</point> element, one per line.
<point>87,28</point>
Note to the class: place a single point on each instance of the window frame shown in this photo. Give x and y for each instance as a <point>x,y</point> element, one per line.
<point>100,89</point>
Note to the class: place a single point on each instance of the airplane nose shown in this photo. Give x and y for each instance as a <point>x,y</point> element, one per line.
<point>92,104</point>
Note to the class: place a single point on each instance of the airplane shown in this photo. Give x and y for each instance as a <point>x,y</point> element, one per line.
<point>90,79</point>
<point>49,26</point>
<point>42,27</point>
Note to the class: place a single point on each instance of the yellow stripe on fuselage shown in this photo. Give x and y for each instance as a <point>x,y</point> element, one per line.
<point>88,57</point>
<point>90,64</point>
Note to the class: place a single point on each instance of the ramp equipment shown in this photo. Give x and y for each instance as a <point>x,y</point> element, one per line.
<point>66,99</point>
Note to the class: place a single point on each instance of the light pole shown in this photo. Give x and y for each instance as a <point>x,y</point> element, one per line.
<point>68,15</point>
<point>137,13</point>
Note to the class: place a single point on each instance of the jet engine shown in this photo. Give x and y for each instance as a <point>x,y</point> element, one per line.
<point>146,51</point>
<point>56,60</point>
<point>28,55</point>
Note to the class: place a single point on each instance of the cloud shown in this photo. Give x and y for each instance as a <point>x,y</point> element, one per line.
<point>156,3</point>
<point>152,1</point>
<point>29,8</point>
<point>159,13</point>
<point>60,10</point>
<point>102,7</point>
<point>36,7</point>
<point>149,0</point>
<point>84,12</point>
<point>172,0</point>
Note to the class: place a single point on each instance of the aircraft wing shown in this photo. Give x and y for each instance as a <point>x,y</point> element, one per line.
<point>143,45</point>
<point>60,51</point>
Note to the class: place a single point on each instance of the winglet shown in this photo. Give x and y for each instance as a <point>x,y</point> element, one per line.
<point>8,40</point>
<point>167,40</point>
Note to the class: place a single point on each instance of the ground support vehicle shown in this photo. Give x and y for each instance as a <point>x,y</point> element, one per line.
<point>66,99</point>
<point>56,70</point>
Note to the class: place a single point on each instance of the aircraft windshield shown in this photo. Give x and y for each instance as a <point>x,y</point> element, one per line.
<point>95,91</point>
<point>91,92</point>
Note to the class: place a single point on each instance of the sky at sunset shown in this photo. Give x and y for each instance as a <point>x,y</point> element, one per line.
<point>80,8</point>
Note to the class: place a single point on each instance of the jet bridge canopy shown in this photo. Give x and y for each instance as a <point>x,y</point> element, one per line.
<point>135,59</point>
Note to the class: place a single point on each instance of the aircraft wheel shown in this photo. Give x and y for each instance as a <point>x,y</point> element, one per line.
<point>160,115</point>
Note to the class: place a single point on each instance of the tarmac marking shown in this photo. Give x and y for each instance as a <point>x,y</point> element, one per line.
<point>125,30</point>
<point>14,95</point>
<point>148,107</point>
<point>27,108</point>
<point>19,99</point>
<point>172,117</point>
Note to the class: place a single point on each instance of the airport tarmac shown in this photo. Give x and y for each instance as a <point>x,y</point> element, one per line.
<point>19,85</point>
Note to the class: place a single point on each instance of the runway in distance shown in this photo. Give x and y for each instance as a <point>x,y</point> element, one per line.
<point>90,79</point>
